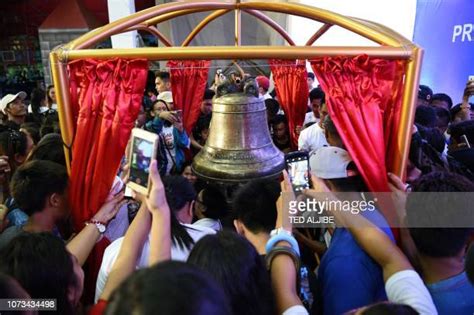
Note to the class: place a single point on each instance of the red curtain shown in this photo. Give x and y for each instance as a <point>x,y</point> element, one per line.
<point>106,96</point>
<point>364,97</point>
<point>291,86</point>
<point>188,83</point>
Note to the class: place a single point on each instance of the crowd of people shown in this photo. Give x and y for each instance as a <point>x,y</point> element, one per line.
<point>189,248</point>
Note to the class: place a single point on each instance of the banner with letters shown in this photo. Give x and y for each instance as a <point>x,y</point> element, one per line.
<point>445,30</point>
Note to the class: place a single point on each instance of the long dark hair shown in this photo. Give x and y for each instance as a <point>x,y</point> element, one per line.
<point>37,96</point>
<point>170,287</point>
<point>179,191</point>
<point>236,265</point>
<point>43,267</point>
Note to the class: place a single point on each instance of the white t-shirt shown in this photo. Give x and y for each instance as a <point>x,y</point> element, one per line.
<point>309,118</point>
<point>406,287</point>
<point>312,138</point>
<point>209,223</point>
<point>295,310</point>
<point>112,251</point>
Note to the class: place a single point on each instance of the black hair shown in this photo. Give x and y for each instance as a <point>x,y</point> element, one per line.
<point>238,268</point>
<point>43,267</point>
<point>433,137</point>
<point>203,123</point>
<point>50,123</point>
<point>423,155</point>
<point>388,308</point>
<point>49,88</point>
<point>13,142</point>
<point>311,75</point>
<point>426,116</point>
<point>179,191</point>
<point>150,82</point>
<point>462,128</point>
<point>443,98</point>
<point>254,205</point>
<point>444,116</point>
<point>169,288</point>
<point>186,164</point>
<point>214,201</point>
<point>457,108</point>
<point>272,106</point>
<point>37,96</point>
<point>316,94</point>
<point>33,182</point>
<point>50,148</point>
<point>435,241</point>
<point>163,75</point>
<point>33,130</point>
<point>208,94</point>
<point>279,119</point>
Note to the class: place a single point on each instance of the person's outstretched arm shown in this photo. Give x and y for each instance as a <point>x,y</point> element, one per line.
<point>160,238</point>
<point>283,270</point>
<point>83,243</point>
<point>372,240</point>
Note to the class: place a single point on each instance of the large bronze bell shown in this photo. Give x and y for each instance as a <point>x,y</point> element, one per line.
<point>239,147</point>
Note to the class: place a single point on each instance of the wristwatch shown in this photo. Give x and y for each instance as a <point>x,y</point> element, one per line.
<point>99,225</point>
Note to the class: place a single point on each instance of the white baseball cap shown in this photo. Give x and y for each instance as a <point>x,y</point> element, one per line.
<point>7,99</point>
<point>166,96</point>
<point>331,163</point>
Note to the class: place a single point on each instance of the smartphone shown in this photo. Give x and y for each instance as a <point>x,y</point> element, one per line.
<point>143,149</point>
<point>297,166</point>
<point>179,114</point>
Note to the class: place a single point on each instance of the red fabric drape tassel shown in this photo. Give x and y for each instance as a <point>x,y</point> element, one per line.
<point>364,97</point>
<point>291,85</point>
<point>106,97</point>
<point>188,84</point>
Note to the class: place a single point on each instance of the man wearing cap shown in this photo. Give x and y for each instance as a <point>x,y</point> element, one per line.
<point>13,105</point>
<point>263,86</point>
<point>424,95</point>
<point>349,277</point>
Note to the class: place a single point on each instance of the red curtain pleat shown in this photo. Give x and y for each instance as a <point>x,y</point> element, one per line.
<point>106,96</point>
<point>364,97</point>
<point>291,86</point>
<point>188,84</point>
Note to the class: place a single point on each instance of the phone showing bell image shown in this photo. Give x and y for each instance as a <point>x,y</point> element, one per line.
<point>297,166</point>
<point>143,149</point>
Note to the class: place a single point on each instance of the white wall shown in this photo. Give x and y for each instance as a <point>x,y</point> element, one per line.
<point>117,10</point>
<point>398,15</point>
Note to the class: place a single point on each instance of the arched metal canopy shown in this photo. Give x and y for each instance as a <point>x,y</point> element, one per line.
<point>392,46</point>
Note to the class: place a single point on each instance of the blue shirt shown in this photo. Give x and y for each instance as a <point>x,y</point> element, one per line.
<point>453,296</point>
<point>349,277</point>
<point>15,216</point>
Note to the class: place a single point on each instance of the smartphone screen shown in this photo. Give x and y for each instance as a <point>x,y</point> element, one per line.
<point>298,171</point>
<point>142,154</point>
<point>179,114</point>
